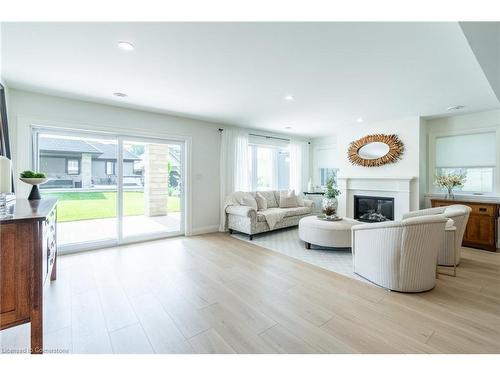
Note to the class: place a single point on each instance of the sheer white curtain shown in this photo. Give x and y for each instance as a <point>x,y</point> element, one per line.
<point>299,165</point>
<point>234,169</point>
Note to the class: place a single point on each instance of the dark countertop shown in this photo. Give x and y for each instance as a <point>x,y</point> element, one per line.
<point>25,210</point>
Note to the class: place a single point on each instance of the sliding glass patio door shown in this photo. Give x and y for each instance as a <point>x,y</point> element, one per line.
<point>152,180</point>
<point>77,168</point>
<point>111,189</point>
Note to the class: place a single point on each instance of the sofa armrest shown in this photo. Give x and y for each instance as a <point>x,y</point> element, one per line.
<point>424,212</point>
<point>245,211</point>
<point>309,203</point>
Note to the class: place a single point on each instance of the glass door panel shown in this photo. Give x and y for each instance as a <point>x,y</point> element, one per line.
<point>82,174</point>
<point>152,189</point>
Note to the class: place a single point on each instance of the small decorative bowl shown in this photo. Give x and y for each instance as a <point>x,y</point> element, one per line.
<point>35,193</point>
<point>34,181</point>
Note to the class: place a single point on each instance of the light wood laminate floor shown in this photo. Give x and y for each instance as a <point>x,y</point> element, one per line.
<point>216,294</point>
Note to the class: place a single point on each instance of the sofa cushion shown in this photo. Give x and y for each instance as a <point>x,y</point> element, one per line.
<point>261,201</point>
<point>295,211</point>
<point>288,199</point>
<point>270,198</point>
<point>247,199</point>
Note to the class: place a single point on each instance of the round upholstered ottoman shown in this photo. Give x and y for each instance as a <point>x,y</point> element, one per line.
<point>326,233</point>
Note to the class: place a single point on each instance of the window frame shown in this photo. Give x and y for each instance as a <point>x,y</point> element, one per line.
<point>253,165</point>
<point>78,162</point>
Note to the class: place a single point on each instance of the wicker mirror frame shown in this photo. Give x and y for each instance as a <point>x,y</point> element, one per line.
<point>396,149</point>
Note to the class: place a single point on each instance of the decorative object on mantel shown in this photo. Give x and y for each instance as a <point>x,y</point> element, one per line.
<point>5,184</point>
<point>330,202</point>
<point>310,186</point>
<point>375,150</point>
<point>35,179</point>
<point>450,181</point>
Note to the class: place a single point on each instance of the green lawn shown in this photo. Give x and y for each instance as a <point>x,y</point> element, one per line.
<point>98,205</point>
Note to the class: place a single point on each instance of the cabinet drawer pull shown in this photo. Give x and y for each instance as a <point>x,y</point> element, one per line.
<point>482,209</point>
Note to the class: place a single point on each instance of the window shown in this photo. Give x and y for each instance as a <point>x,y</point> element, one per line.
<point>73,166</point>
<point>325,174</point>
<point>283,170</point>
<point>110,167</point>
<point>479,180</point>
<point>269,167</point>
<point>473,155</point>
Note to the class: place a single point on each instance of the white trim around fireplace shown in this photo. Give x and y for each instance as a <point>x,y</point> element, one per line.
<point>399,188</point>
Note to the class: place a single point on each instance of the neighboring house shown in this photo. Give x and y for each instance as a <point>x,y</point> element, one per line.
<point>72,163</point>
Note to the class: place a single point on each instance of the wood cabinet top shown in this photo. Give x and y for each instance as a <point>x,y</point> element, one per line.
<point>26,210</point>
<point>467,201</point>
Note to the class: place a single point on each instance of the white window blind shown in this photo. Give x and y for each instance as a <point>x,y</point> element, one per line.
<point>468,150</point>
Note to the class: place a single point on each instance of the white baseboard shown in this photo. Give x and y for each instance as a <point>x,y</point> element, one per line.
<point>203,230</point>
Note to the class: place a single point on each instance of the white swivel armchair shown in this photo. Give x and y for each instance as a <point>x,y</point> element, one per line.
<point>450,253</point>
<point>399,256</point>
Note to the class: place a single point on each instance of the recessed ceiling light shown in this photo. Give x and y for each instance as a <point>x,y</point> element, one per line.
<point>288,127</point>
<point>359,119</point>
<point>126,46</point>
<point>455,107</point>
<point>289,97</point>
<point>120,94</point>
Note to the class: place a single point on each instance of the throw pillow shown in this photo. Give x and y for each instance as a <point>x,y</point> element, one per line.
<point>300,200</point>
<point>288,199</point>
<point>272,202</point>
<point>248,200</point>
<point>261,201</point>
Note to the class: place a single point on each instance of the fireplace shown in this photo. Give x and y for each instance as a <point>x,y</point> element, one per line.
<point>373,209</point>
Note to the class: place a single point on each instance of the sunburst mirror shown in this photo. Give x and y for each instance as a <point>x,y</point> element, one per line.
<point>375,150</point>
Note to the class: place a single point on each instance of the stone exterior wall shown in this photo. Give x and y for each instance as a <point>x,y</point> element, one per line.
<point>86,170</point>
<point>156,179</point>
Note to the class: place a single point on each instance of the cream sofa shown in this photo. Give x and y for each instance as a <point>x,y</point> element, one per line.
<point>399,256</point>
<point>249,220</point>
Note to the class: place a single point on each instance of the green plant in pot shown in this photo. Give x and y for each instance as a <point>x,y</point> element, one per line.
<point>34,179</point>
<point>330,202</point>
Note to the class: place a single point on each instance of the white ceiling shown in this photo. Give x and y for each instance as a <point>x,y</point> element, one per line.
<point>239,73</point>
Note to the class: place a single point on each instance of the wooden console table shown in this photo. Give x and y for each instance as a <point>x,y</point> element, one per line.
<point>28,257</point>
<point>482,227</point>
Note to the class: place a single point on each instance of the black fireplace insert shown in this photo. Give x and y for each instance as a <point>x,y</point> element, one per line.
<point>373,209</point>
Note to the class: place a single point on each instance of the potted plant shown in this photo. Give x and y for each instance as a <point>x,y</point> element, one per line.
<point>35,179</point>
<point>450,181</point>
<point>330,202</point>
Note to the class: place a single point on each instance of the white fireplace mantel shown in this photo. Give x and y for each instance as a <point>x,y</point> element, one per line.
<point>399,188</point>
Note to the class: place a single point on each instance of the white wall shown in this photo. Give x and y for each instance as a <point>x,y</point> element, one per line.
<point>323,154</point>
<point>407,129</point>
<point>27,108</point>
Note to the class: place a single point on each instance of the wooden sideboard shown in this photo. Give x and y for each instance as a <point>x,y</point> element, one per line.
<point>28,257</point>
<point>482,227</point>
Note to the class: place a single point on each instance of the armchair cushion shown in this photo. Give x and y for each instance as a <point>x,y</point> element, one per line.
<point>424,212</point>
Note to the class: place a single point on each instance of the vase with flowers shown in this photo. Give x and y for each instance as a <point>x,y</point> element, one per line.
<point>450,182</point>
<point>330,202</point>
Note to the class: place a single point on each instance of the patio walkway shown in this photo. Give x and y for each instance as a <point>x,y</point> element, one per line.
<point>104,229</point>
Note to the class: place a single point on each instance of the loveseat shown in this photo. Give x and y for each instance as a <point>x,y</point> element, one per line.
<point>245,215</point>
